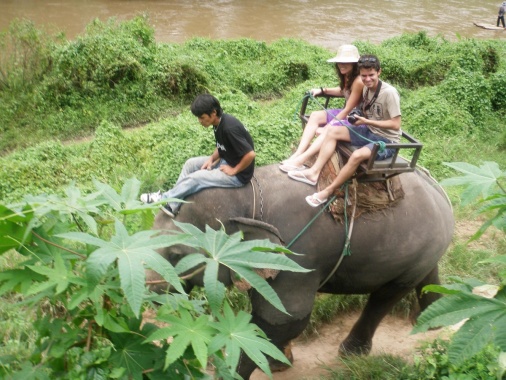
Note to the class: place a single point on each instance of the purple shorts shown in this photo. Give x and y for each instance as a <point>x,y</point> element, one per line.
<point>331,114</point>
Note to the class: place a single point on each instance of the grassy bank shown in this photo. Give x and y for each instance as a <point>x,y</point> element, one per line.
<point>116,76</point>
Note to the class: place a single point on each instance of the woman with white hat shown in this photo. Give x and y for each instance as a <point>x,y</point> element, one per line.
<point>500,14</point>
<point>350,86</point>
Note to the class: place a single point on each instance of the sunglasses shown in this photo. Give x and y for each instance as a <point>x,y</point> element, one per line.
<point>367,59</point>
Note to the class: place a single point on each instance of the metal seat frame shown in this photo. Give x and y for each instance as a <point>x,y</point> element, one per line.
<point>374,170</point>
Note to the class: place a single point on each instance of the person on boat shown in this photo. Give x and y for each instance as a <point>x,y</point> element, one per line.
<point>381,122</point>
<point>231,164</point>
<point>500,14</point>
<point>350,87</point>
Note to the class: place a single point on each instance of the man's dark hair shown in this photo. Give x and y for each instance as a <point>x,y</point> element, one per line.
<point>369,61</point>
<point>206,104</point>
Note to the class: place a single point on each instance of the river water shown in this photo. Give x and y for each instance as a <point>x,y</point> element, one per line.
<point>327,23</point>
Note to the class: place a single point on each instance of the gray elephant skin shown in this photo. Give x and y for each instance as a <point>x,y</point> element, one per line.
<point>392,251</point>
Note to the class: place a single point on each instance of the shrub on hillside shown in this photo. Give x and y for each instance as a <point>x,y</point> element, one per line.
<point>25,55</point>
<point>427,112</point>
<point>468,91</point>
<point>498,95</point>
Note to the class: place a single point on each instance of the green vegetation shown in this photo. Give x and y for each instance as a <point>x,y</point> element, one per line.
<point>431,363</point>
<point>485,317</point>
<point>67,109</point>
<point>80,259</point>
<point>451,101</point>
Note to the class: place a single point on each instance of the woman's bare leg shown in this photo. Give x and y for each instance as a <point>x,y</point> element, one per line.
<point>328,147</point>
<point>346,172</point>
<point>313,149</point>
<point>316,119</point>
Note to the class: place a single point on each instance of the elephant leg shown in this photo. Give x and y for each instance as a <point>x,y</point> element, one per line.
<point>276,365</point>
<point>379,304</point>
<point>280,336</point>
<point>425,299</point>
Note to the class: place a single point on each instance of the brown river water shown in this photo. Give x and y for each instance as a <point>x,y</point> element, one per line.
<point>327,23</point>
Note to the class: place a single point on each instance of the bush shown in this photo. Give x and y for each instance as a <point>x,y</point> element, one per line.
<point>468,91</point>
<point>433,363</point>
<point>498,95</point>
<point>427,112</point>
<point>25,56</point>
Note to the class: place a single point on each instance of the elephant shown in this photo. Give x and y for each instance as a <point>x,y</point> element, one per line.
<point>393,251</point>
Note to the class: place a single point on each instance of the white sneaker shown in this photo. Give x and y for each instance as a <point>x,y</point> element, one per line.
<point>151,197</point>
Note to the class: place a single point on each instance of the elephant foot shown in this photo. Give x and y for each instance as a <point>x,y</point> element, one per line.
<point>277,366</point>
<point>352,347</point>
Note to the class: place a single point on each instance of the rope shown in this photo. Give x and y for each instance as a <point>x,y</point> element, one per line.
<point>254,199</point>
<point>381,144</point>
<point>346,249</point>
<point>348,229</point>
<point>311,222</point>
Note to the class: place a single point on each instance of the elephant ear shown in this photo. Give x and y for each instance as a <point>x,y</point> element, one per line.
<point>255,229</point>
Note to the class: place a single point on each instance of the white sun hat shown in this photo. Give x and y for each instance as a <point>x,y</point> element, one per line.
<point>346,54</point>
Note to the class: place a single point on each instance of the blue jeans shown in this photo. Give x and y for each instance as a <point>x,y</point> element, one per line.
<point>192,179</point>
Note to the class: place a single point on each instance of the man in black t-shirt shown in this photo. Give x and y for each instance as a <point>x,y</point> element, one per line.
<point>231,164</point>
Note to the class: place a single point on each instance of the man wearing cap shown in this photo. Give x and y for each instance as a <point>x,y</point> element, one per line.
<point>381,122</point>
<point>231,164</point>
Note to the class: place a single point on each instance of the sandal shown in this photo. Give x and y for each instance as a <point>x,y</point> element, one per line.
<point>289,167</point>
<point>314,201</point>
<point>299,176</point>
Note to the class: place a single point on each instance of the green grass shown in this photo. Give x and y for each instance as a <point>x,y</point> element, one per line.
<point>380,367</point>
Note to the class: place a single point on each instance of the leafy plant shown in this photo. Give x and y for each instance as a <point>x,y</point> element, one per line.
<point>484,181</point>
<point>84,274</point>
<point>485,317</point>
<point>433,363</point>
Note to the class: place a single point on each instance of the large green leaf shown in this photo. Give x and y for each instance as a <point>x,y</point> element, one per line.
<point>485,322</point>
<point>133,254</point>
<point>19,280</point>
<point>454,308</point>
<point>215,290</point>
<point>236,333</point>
<point>59,276</point>
<point>14,226</point>
<point>239,256</point>
<point>479,180</point>
<point>475,334</point>
<point>495,203</point>
<point>185,331</point>
<point>131,353</point>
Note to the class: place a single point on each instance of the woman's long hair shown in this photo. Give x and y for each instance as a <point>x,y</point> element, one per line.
<point>346,84</point>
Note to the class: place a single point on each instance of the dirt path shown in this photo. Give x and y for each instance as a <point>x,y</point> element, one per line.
<point>392,337</point>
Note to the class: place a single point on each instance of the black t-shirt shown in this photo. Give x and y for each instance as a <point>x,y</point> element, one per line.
<point>233,142</point>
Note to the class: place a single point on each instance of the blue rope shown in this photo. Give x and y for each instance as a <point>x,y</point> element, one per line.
<point>311,221</point>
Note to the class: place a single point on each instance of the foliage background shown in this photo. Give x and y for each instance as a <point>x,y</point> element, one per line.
<point>113,104</point>
<point>116,76</point>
